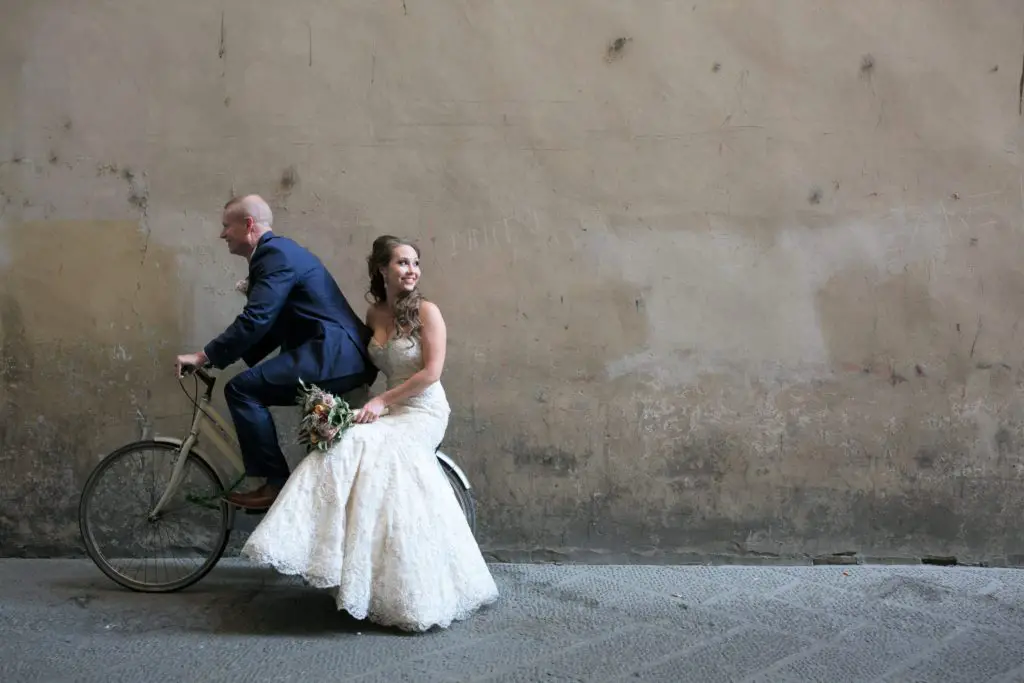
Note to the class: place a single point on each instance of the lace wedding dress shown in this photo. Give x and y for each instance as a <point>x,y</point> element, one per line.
<point>375,519</point>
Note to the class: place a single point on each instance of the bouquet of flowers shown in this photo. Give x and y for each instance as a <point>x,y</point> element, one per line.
<point>324,418</point>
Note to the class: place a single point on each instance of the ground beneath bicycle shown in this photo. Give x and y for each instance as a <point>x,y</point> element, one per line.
<point>61,620</point>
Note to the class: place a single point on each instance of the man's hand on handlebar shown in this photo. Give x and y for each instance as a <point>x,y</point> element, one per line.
<point>189,362</point>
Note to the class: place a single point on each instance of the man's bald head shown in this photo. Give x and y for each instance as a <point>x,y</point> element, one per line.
<point>245,220</point>
<point>251,206</point>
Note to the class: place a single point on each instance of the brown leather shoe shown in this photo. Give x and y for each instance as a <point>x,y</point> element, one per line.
<point>260,499</point>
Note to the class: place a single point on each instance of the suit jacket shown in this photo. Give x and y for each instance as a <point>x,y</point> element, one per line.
<point>294,304</point>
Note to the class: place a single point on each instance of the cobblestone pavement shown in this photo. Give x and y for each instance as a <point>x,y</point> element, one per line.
<point>61,620</point>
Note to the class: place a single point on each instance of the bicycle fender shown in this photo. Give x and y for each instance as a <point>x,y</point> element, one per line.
<point>195,451</point>
<point>455,468</point>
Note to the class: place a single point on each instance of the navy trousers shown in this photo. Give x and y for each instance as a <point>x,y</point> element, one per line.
<point>249,395</point>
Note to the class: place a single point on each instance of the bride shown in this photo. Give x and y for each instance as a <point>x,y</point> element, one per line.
<point>374,518</point>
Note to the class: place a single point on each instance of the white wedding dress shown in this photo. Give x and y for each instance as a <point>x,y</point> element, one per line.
<point>375,519</point>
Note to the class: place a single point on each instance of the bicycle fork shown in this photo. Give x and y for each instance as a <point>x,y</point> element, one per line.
<point>179,468</point>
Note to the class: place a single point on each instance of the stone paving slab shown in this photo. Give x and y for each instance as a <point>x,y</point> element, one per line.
<point>63,621</point>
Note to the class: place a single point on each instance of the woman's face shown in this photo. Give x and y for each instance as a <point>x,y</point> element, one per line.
<point>403,272</point>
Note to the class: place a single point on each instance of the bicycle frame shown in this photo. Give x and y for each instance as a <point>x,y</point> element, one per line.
<point>214,429</point>
<point>221,433</point>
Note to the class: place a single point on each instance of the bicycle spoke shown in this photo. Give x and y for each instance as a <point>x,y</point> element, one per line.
<point>149,553</point>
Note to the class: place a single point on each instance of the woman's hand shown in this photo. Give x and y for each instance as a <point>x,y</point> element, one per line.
<point>371,411</point>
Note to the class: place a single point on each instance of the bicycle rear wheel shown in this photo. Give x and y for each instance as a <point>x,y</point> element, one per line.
<point>467,501</point>
<point>141,553</point>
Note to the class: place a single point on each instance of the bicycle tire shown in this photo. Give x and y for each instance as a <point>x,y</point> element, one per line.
<point>97,556</point>
<point>465,497</point>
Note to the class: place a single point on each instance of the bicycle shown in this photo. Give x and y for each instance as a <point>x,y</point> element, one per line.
<point>181,455</point>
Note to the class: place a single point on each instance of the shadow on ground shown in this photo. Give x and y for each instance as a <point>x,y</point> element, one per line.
<point>233,601</point>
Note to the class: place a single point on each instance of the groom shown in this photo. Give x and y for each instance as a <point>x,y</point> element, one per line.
<point>293,304</point>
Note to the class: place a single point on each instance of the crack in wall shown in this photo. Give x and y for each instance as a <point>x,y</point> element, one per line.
<point>1020,88</point>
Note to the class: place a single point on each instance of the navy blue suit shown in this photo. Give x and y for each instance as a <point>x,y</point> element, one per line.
<point>293,304</point>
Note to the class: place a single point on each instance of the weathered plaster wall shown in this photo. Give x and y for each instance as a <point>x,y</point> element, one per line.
<point>725,278</point>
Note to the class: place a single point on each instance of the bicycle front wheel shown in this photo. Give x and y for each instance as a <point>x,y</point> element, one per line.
<point>145,552</point>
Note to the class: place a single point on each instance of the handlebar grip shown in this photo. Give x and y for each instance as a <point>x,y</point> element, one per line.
<point>199,372</point>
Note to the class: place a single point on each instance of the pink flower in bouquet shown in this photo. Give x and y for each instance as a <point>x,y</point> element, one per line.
<point>317,428</point>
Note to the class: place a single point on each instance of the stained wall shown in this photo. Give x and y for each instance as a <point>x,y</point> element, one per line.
<point>731,280</point>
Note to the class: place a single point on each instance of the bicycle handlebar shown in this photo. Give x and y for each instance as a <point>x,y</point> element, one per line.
<point>199,372</point>
<point>206,377</point>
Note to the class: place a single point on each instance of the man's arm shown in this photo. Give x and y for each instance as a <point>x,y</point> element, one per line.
<point>272,279</point>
